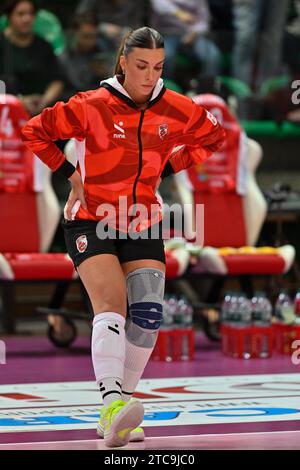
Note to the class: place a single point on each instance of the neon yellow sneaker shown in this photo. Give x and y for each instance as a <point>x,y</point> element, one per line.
<point>118,420</point>
<point>137,435</point>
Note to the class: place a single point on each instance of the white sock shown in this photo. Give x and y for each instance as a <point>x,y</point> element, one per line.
<point>108,354</point>
<point>136,359</point>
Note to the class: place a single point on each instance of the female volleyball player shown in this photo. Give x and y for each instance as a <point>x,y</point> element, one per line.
<point>129,133</point>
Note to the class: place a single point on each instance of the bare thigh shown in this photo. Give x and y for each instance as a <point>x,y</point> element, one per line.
<point>104,281</point>
<point>130,266</point>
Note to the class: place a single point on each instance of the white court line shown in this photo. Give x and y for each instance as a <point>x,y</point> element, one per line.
<point>161,438</point>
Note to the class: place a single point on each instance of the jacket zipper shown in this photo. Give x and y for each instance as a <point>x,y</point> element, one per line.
<point>140,157</point>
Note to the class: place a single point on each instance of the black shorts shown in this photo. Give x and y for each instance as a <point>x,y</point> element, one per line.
<point>82,242</point>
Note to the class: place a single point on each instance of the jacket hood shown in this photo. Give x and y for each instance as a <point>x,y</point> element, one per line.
<point>114,85</point>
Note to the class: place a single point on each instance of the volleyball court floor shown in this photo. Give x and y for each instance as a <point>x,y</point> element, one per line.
<point>48,400</point>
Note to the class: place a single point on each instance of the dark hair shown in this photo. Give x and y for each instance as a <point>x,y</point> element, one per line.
<point>10,5</point>
<point>145,38</point>
<point>83,18</point>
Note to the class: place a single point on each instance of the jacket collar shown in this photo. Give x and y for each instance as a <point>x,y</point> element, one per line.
<point>114,85</point>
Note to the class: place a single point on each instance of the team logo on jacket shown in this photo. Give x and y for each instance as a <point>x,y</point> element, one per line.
<point>162,131</point>
<point>81,243</point>
<point>121,132</point>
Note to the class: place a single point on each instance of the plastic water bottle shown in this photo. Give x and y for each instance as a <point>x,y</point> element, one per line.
<point>261,310</point>
<point>225,308</point>
<point>179,312</point>
<point>169,311</point>
<point>262,319</point>
<point>186,320</point>
<point>225,312</point>
<point>231,312</point>
<point>245,310</point>
<point>188,316</point>
<point>239,312</point>
<point>284,309</point>
<point>183,312</point>
<point>240,318</point>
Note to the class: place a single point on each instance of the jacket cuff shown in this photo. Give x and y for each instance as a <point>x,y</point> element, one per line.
<point>66,169</point>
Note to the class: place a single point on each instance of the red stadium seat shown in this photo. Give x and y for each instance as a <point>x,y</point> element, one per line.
<point>29,213</point>
<point>234,207</point>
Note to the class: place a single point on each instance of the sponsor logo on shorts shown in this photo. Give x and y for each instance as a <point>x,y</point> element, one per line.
<point>81,243</point>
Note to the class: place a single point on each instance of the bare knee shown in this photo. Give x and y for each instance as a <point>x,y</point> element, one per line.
<point>101,306</point>
<point>109,300</point>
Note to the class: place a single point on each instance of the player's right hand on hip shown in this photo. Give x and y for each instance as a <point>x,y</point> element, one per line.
<point>76,194</point>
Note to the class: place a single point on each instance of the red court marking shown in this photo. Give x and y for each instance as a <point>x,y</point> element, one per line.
<point>20,396</point>
<point>182,390</point>
<point>142,395</point>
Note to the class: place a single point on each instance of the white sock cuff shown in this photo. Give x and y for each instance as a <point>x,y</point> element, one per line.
<point>109,316</point>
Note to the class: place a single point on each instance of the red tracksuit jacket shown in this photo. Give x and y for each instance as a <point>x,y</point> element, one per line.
<point>122,150</point>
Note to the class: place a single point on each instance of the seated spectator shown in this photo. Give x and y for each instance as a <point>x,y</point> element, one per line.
<point>250,17</point>
<point>115,18</point>
<point>291,42</point>
<point>28,65</point>
<point>221,11</point>
<point>294,26</point>
<point>83,63</point>
<point>222,30</point>
<point>292,59</point>
<point>185,26</point>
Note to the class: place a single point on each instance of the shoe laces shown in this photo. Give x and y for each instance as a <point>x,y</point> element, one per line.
<point>113,409</point>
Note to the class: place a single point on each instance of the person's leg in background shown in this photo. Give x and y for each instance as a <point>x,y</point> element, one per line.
<point>246,17</point>
<point>270,51</point>
<point>171,48</point>
<point>294,25</point>
<point>208,55</point>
